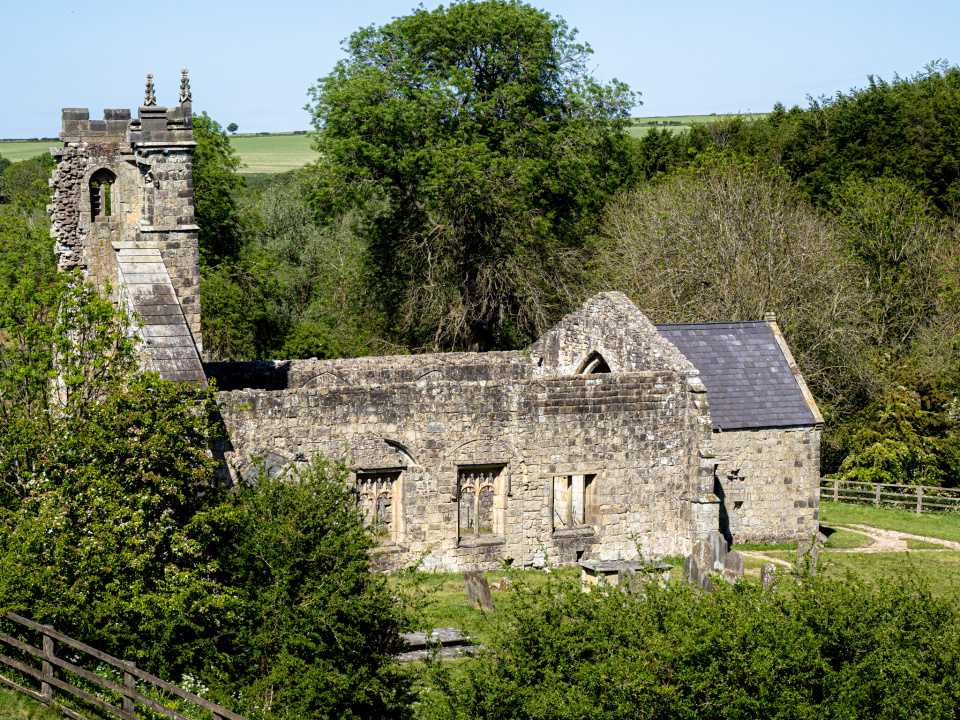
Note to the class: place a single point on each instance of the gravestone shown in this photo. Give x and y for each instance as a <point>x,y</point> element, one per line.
<point>691,569</point>
<point>808,548</point>
<point>733,567</point>
<point>711,553</point>
<point>768,574</point>
<point>478,590</point>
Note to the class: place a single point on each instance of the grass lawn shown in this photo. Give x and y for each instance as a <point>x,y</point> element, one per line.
<point>922,545</point>
<point>764,547</point>
<point>447,598</point>
<point>17,151</point>
<point>945,526</point>
<point>17,706</point>
<point>274,153</point>
<point>846,539</point>
<point>940,569</point>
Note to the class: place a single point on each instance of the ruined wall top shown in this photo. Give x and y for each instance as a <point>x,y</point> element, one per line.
<point>153,124</point>
<point>610,327</point>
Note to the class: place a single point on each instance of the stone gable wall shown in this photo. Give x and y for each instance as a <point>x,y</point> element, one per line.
<point>608,324</point>
<point>775,474</point>
<point>633,431</point>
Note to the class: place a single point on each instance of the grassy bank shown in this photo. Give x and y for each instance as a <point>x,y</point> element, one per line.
<point>17,706</point>
<point>680,123</point>
<point>274,153</point>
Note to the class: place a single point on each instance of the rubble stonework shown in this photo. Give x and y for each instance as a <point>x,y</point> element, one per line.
<point>607,438</point>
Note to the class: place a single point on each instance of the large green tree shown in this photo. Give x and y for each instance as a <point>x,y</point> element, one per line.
<point>215,165</point>
<point>480,128</point>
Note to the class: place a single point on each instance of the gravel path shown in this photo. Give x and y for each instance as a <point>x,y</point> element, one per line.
<point>883,541</point>
<point>892,541</point>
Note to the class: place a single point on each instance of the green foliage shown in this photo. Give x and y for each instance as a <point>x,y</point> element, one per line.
<point>901,248</point>
<point>895,440</point>
<point>827,648</point>
<point>478,129</point>
<point>726,239</point>
<point>907,128</point>
<point>215,179</point>
<point>102,544</point>
<point>315,629</point>
<point>24,184</point>
<point>232,128</point>
<point>233,311</point>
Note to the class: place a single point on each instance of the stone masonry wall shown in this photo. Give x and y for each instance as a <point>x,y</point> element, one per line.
<point>632,431</point>
<point>769,482</point>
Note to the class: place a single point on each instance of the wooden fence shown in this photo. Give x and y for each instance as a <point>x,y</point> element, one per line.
<point>921,498</point>
<point>47,675</point>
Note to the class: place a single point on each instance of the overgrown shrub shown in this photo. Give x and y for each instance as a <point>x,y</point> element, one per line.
<point>828,648</point>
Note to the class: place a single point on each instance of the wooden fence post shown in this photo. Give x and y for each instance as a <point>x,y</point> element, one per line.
<point>919,500</point>
<point>129,682</point>
<point>836,489</point>
<point>46,667</point>
<point>877,496</point>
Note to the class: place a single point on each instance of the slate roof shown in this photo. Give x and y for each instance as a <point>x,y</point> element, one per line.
<point>749,383</point>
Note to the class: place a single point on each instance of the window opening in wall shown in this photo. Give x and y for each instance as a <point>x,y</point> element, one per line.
<point>574,501</point>
<point>478,491</point>
<point>594,365</point>
<point>737,504</point>
<point>380,500</point>
<point>101,194</point>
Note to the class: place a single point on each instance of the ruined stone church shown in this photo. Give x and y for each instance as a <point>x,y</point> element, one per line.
<point>606,435</point>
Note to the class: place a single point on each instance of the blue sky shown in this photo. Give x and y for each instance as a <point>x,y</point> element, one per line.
<point>252,62</point>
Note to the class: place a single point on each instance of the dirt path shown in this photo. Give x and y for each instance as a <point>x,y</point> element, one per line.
<point>883,541</point>
<point>891,541</point>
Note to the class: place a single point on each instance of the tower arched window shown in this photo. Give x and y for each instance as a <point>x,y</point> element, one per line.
<point>101,194</point>
<point>594,365</point>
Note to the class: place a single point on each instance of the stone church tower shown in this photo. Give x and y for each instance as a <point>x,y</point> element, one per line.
<point>123,213</point>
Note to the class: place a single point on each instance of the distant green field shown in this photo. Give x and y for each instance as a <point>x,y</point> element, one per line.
<point>16,151</point>
<point>274,153</point>
<point>679,123</point>
<point>279,152</point>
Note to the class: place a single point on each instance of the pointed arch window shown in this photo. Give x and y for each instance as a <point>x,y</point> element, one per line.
<point>594,365</point>
<point>101,194</point>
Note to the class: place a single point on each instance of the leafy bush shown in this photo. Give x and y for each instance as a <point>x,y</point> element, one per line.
<point>827,648</point>
<point>315,630</point>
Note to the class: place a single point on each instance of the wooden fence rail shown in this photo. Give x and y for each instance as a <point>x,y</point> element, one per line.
<point>47,675</point>
<point>921,498</point>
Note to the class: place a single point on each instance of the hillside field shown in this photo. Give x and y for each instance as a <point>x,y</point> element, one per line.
<point>279,152</point>
<point>679,123</point>
<point>17,151</point>
<point>274,153</point>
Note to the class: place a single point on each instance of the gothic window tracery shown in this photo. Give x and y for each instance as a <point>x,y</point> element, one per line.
<point>478,491</point>
<point>380,500</point>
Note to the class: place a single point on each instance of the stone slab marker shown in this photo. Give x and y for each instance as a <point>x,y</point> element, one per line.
<point>150,294</point>
<point>768,573</point>
<point>711,556</point>
<point>478,590</point>
<point>733,567</point>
